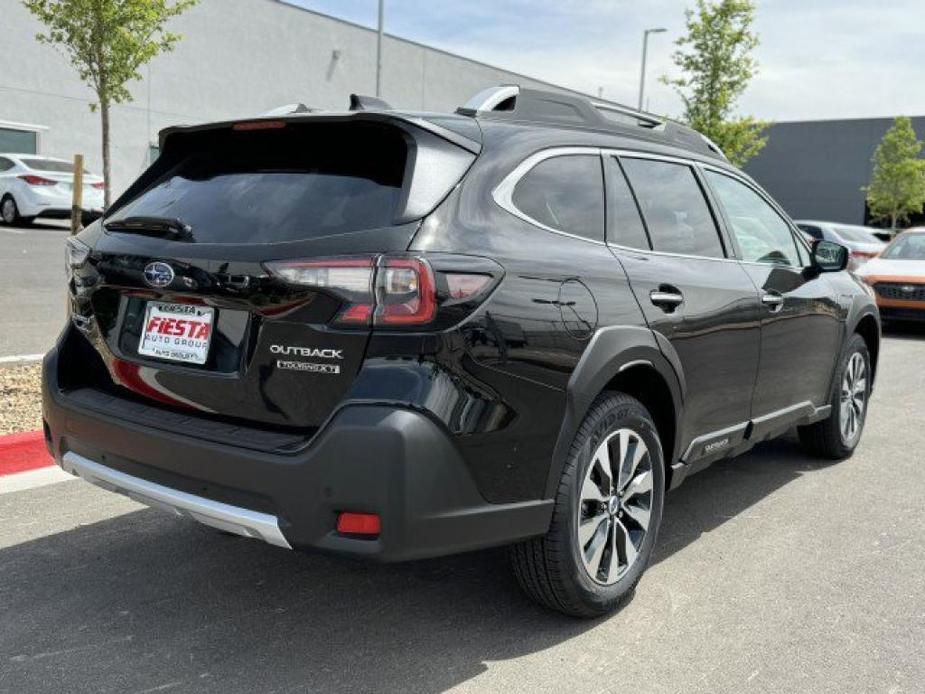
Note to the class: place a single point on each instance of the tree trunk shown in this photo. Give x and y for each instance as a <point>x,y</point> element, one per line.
<point>104,120</point>
<point>892,220</point>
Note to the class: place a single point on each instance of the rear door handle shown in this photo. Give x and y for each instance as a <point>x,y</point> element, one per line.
<point>773,301</point>
<point>666,300</point>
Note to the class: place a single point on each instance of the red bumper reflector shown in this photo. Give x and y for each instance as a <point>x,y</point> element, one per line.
<point>358,523</point>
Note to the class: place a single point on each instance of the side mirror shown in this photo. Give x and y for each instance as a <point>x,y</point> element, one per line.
<point>829,256</point>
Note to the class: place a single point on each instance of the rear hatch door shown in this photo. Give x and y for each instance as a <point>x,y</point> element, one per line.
<point>179,296</point>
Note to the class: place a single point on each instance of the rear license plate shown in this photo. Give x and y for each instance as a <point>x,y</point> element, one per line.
<point>177,332</point>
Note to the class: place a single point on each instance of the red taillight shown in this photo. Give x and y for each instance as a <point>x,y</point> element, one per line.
<point>349,278</point>
<point>405,292</point>
<point>259,125</point>
<point>466,286</point>
<point>33,180</point>
<point>359,524</point>
<point>384,290</point>
<point>99,186</point>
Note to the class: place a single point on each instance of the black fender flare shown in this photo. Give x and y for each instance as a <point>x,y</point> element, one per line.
<point>861,308</point>
<point>610,351</point>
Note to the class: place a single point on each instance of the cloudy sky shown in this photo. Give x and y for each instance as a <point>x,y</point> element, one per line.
<point>818,58</point>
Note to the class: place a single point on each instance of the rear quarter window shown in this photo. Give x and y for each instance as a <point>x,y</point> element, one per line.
<point>565,193</point>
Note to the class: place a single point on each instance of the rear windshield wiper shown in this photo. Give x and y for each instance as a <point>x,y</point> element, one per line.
<point>167,226</point>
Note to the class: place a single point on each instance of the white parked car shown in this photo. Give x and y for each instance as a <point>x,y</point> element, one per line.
<point>861,242</point>
<point>32,186</point>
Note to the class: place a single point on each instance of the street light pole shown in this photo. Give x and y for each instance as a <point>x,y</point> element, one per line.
<point>379,49</point>
<point>645,51</point>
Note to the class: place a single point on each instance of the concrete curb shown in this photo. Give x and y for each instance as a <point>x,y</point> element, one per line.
<point>21,452</point>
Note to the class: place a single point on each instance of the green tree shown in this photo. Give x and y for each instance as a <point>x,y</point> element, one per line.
<point>897,184</point>
<point>716,65</point>
<point>107,41</point>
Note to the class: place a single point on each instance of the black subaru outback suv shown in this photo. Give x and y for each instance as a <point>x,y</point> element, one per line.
<point>398,335</point>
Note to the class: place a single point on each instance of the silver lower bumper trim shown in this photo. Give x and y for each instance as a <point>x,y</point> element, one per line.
<point>233,519</point>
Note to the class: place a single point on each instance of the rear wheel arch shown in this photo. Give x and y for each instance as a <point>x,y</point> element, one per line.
<point>621,359</point>
<point>869,329</point>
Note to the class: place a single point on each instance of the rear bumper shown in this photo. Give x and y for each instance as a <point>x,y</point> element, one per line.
<point>375,458</point>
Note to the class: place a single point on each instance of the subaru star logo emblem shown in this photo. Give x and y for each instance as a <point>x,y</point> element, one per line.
<point>158,274</point>
<point>908,288</point>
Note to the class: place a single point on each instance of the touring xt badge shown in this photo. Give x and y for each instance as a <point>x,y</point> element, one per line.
<point>311,352</point>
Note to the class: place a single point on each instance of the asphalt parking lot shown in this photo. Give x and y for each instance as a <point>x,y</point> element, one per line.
<point>774,573</point>
<point>31,287</point>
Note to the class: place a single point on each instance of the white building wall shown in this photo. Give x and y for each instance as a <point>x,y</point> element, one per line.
<point>237,58</point>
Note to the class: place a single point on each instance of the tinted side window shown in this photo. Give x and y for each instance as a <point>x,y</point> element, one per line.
<point>763,235</point>
<point>675,210</point>
<point>565,193</point>
<point>624,225</point>
<point>5,164</point>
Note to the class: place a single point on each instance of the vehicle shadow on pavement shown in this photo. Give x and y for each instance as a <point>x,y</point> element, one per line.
<point>904,331</point>
<point>144,601</point>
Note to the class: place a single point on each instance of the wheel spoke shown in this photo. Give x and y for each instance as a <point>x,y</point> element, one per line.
<point>639,514</point>
<point>632,451</point>
<point>603,464</point>
<point>588,527</point>
<point>640,484</point>
<point>596,549</point>
<point>590,491</point>
<point>625,544</point>
<point>613,560</point>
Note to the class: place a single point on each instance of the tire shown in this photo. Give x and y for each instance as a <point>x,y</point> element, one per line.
<point>9,212</point>
<point>563,572</point>
<point>833,437</point>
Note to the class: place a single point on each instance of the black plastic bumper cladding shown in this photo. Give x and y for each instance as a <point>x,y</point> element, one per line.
<point>380,459</point>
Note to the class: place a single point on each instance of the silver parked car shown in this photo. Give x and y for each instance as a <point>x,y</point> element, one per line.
<point>860,241</point>
<point>32,186</point>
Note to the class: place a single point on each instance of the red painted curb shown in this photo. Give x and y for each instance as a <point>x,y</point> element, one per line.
<point>21,452</point>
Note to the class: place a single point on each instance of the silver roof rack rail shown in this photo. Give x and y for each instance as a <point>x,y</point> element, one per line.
<point>713,146</point>
<point>489,99</point>
<point>646,118</point>
<point>511,101</point>
<point>289,109</point>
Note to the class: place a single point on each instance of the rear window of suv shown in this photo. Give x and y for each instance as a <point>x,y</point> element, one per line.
<point>277,185</point>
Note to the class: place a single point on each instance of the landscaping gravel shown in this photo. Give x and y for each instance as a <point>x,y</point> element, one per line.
<point>20,398</point>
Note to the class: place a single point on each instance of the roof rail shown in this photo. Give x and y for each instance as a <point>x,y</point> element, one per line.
<point>289,109</point>
<point>544,105</point>
<point>563,109</point>
<point>358,102</point>
<point>713,146</point>
<point>500,98</point>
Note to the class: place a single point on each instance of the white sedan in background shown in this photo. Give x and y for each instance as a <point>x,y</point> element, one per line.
<point>32,186</point>
<point>860,241</point>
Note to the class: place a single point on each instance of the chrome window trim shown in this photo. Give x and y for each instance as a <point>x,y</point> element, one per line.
<point>693,163</point>
<point>504,191</point>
